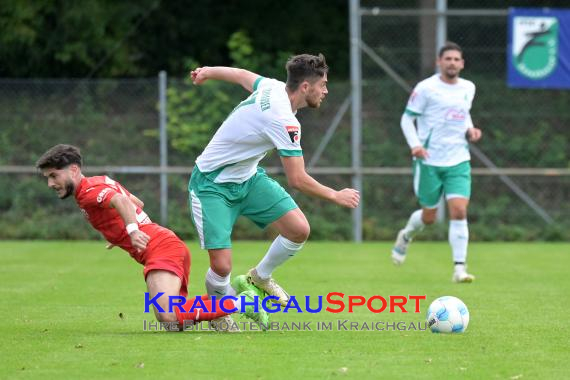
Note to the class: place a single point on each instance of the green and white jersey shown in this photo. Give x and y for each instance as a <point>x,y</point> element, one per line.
<point>442,112</point>
<point>262,122</point>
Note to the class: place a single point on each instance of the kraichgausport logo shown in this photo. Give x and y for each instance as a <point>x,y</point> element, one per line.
<point>535,46</point>
<point>336,302</point>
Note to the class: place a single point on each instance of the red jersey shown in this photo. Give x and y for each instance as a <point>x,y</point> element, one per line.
<point>93,196</point>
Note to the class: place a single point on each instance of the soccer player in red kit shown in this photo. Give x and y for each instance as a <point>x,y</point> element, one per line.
<point>118,215</point>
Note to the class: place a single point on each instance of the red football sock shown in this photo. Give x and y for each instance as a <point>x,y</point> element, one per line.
<point>199,314</point>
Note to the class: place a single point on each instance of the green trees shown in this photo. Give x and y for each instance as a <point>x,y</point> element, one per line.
<point>133,38</point>
<point>71,38</point>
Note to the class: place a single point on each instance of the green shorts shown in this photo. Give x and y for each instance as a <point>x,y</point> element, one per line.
<point>431,182</point>
<point>215,207</point>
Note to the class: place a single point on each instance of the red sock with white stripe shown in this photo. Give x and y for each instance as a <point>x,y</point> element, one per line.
<point>199,314</point>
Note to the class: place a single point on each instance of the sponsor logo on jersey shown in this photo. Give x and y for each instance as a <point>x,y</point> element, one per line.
<point>455,116</point>
<point>265,99</point>
<point>102,194</point>
<point>294,133</point>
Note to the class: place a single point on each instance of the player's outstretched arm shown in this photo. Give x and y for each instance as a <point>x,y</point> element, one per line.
<point>124,207</point>
<point>300,180</point>
<point>229,74</point>
<point>136,201</point>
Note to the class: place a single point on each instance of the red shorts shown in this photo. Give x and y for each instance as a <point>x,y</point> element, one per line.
<point>170,254</point>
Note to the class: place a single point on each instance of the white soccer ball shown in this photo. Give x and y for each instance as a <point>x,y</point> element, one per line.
<point>447,315</point>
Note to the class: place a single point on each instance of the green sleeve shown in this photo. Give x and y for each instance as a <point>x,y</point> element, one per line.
<point>256,83</point>
<point>290,153</point>
<point>411,113</point>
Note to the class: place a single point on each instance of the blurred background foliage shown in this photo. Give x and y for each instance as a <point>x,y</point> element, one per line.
<point>115,50</point>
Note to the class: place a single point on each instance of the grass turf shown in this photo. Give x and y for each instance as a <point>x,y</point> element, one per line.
<point>75,310</point>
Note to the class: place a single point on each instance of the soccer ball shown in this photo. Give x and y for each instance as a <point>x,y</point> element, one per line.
<point>447,315</point>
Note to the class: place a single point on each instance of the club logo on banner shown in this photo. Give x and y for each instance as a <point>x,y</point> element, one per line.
<point>537,48</point>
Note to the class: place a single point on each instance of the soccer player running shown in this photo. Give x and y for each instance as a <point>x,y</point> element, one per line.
<point>440,104</point>
<point>227,182</point>
<point>118,215</point>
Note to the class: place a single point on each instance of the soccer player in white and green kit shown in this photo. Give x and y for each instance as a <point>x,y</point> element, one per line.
<point>227,181</point>
<point>440,105</point>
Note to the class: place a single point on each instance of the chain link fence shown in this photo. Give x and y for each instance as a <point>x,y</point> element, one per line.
<point>524,130</point>
<point>116,124</point>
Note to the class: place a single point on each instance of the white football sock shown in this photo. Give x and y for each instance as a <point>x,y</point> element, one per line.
<point>460,268</point>
<point>230,291</point>
<point>458,239</point>
<point>217,285</point>
<point>415,224</point>
<point>280,251</point>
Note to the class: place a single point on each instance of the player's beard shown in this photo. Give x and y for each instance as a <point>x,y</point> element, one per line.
<point>313,101</point>
<point>69,189</point>
<point>451,74</point>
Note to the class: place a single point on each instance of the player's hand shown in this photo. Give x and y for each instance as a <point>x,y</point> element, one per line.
<point>347,198</point>
<point>198,75</point>
<point>110,246</point>
<point>139,240</point>
<point>420,152</point>
<point>474,134</point>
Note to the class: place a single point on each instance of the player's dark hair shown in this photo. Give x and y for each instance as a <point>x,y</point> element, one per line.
<point>59,157</point>
<point>305,67</point>
<point>450,46</point>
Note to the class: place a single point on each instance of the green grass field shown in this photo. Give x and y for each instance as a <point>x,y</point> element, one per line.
<point>62,301</point>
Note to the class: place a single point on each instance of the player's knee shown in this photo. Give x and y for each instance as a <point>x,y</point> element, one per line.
<point>221,268</point>
<point>459,214</point>
<point>304,233</point>
<point>428,218</point>
<point>221,262</point>
<point>301,233</point>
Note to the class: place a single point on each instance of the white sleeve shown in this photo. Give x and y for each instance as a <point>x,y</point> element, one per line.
<point>285,134</point>
<point>417,101</point>
<point>409,129</point>
<point>468,121</point>
<point>283,130</point>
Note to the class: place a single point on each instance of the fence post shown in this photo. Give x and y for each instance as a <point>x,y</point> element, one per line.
<point>356,111</point>
<point>163,149</point>
<point>440,38</point>
<point>441,29</point>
